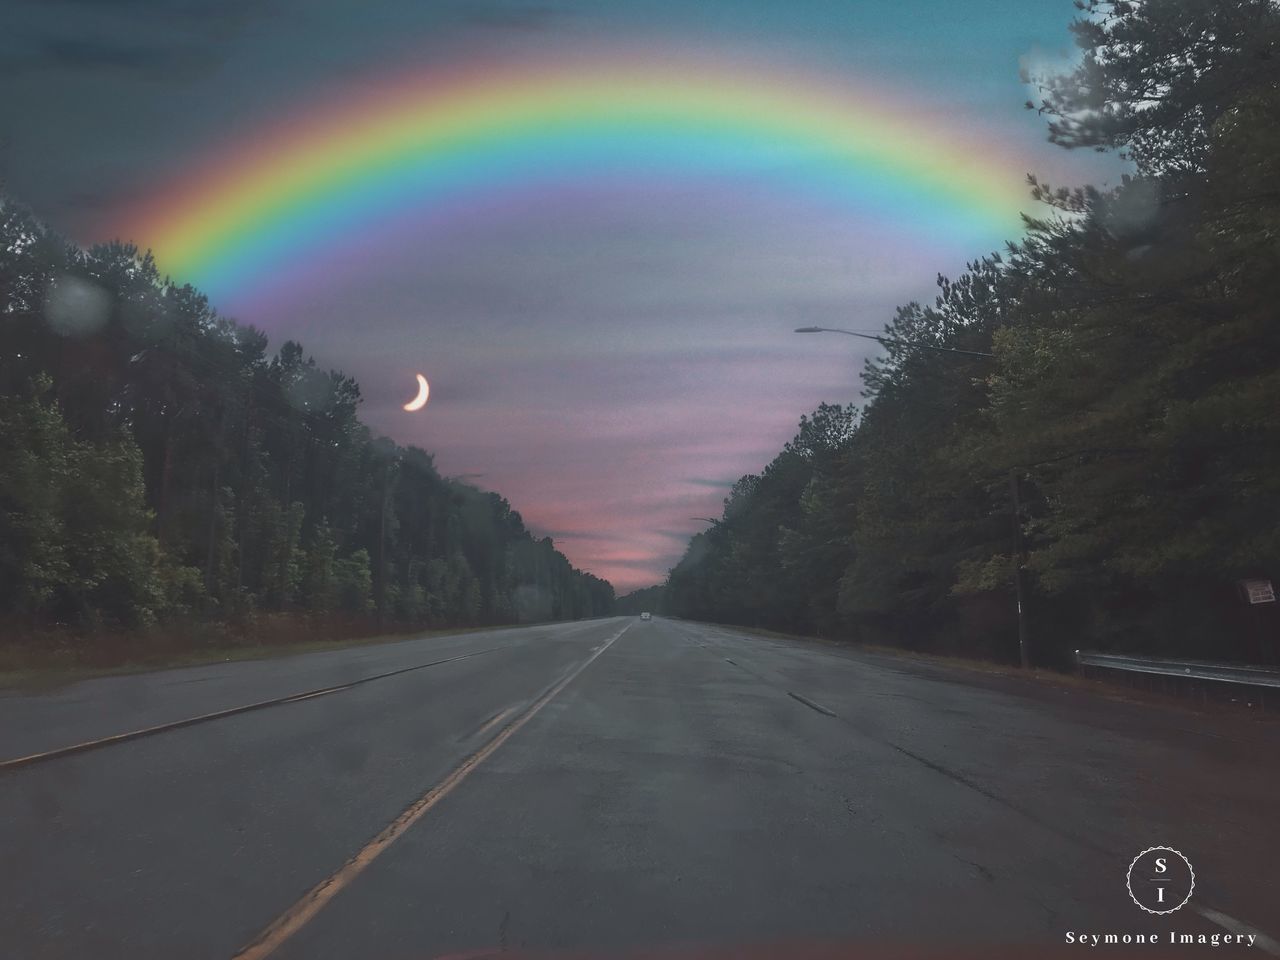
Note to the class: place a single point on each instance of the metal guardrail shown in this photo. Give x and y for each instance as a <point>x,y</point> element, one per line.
<point>1188,669</point>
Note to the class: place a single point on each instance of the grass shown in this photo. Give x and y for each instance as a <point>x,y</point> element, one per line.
<point>48,660</point>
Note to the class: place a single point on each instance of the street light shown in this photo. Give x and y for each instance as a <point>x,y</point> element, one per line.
<point>894,340</point>
<point>1023,656</point>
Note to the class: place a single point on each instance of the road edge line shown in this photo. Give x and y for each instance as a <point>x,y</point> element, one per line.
<point>1261,940</point>
<point>816,707</point>
<point>18,762</point>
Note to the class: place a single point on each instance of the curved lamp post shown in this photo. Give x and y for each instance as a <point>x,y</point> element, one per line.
<point>1013,476</point>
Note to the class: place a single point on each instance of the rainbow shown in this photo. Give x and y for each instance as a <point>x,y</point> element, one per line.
<point>438,139</point>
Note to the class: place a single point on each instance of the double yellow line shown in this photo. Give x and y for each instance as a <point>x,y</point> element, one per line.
<point>318,897</point>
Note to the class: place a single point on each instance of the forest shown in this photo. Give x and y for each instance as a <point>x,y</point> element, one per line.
<point>1113,468</point>
<point>160,466</point>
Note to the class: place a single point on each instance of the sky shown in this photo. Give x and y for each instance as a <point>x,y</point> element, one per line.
<point>609,353</point>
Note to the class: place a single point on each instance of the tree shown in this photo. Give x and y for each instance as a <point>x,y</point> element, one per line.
<point>1156,76</point>
<point>72,521</point>
<point>169,465</point>
<point>1136,361</point>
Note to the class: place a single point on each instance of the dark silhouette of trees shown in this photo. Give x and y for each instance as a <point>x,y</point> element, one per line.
<point>1131,401</point>
<point>156,461</point>
<point>644,600</point>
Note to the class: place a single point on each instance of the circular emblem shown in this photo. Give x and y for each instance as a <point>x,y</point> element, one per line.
<point>1160,880</point>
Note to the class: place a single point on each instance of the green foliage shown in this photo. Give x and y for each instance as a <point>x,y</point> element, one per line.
<point>353,583</point>
<point>33,474</point>
<point>320,578</point>
<point>647,599</point>
<point>1131,397</point>
<point>73,521</point>
<point>156,461</point>
<point>773,549</point>
<point>1155,76</point>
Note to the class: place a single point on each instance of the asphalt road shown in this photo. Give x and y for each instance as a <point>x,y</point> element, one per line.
<point>600,787</point>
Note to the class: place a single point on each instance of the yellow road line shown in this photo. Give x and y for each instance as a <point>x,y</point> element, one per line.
<point>491,723</point>
<point>318,897</point>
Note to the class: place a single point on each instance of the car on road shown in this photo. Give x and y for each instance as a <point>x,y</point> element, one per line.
<point>646,616</point>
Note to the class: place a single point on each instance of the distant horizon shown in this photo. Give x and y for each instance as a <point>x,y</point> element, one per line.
<point>610,353</point>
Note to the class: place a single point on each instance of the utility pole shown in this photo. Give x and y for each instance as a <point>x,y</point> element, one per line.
<point>1017,569</point>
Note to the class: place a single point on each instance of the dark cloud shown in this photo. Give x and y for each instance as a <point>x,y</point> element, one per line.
<point>152,38</point>
<point>112,5</point>
<point>679,535</point>
<point>165,10</point>
<point>518,18</point>
<point>706,482</point>
<point>580,535</point>
<point>645,564</point>
<point>93,201</point>
<point>66,53</point>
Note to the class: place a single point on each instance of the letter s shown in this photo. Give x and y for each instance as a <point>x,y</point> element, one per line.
<point>1161,865</point>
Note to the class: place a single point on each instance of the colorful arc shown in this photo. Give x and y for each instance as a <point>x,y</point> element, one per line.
<point>433,140</point>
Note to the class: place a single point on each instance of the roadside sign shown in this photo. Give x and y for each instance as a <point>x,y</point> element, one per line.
<point>1259,591</point>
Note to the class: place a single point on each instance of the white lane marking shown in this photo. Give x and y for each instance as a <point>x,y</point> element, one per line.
<point>1263,941</point>
<point>1260,939</point>
<point>810,704</point>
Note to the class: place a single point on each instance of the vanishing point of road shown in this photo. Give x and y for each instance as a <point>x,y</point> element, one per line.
<point>607,787</point>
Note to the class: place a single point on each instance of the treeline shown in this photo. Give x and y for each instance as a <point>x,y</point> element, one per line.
<point>644,600</point>
<point>1128,424</point>
<point>158,463</point>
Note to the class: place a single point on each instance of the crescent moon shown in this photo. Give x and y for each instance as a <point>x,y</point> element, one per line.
<point>420,401</point>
